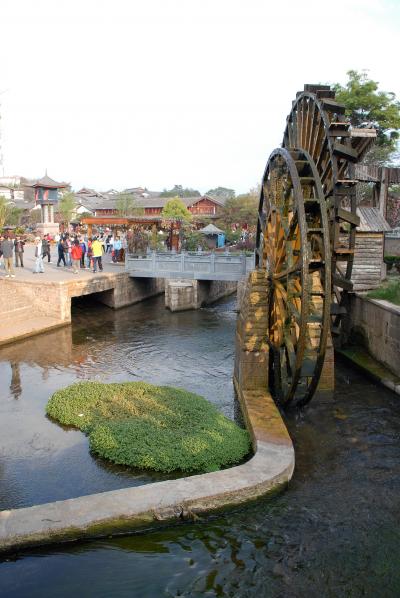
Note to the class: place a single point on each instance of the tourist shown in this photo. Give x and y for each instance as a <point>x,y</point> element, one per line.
<point>60,249</point>
<point>19,252</point>
<point>76,254</point>
<point>46,248</point>
<point>117,249</point>
<point>1,252</point>
<point>89,253</point>
<point>7,248</point>
<point>108,244</point>
<point>39,268</point>
<point>67,249</point>
<point>83,247</point>
<point>103,243</point>
<point>97,251</point>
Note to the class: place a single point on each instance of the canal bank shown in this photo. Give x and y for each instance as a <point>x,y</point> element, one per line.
<point>303,542</point>
<point>32,303</point>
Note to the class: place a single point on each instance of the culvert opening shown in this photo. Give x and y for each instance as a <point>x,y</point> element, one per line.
<point>94,300</point>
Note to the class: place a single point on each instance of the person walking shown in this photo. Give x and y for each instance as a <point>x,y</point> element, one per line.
<point>46,248</point>
<point>117,249</point>
<point>97,251</point>
<point>83,247</point>
<point>39,268</point>
<point>68,246</point>
<point>76,254</point>
<point>60,249</point>
<point>7,248</point>
<point>19,252</point>
<point>108,244</point>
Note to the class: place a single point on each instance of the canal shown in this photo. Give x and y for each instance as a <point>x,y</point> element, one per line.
<point>334,532</point>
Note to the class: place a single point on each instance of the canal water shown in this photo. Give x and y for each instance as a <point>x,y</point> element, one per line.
<point>334,532</point>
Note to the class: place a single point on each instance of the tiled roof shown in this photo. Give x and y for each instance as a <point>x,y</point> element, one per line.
<point>46,181</point>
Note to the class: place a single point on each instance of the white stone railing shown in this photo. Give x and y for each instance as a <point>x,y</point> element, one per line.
<point>190,265</point>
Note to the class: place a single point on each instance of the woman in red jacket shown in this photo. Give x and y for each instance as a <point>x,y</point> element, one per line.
<point>76,254</point>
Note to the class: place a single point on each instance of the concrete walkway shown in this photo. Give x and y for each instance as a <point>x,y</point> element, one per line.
<point>52,273</point>
<point>144,507</point>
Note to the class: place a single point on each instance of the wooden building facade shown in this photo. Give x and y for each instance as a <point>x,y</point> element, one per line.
<point>368,268</point>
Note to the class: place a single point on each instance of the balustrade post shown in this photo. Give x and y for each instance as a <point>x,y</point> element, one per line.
<point>154,265</point>
<point>212,263</point>
<point>182,261</point>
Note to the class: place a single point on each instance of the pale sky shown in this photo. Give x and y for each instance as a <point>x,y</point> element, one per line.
<point>122,93</point>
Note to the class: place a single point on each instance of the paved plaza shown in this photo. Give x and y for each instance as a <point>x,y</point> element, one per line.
<point>54,273</point>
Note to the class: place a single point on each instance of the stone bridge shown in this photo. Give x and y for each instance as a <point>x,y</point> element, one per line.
<point>200,265</point>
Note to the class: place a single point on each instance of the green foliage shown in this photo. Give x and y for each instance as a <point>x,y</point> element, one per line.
<point>389,292</point>
<point>233,236</point>
<point>150,427</point>
<point>14,216</point>
<point>66,206</point>
<point>176,209</point>
<point>179,191</point>
<point>194,240</point>
<point>127,206</point>
<point>222,193</point>
<point>392,260</point>
<point>4,211</point>
<point>242,209</point>
<point>365,104</point>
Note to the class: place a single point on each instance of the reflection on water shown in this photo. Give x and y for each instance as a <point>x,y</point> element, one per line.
<point>43,461</point>
<point>334,532</point>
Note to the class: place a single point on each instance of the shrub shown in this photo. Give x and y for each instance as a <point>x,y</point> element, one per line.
<point>390,292</point>
<point>150,427</point>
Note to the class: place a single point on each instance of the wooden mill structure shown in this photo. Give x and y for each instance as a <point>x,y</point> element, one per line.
<point>306,239</point>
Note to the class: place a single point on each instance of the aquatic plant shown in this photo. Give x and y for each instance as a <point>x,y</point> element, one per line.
<point>150,427</point>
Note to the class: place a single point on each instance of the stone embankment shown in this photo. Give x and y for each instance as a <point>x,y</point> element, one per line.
<point>30,307</point>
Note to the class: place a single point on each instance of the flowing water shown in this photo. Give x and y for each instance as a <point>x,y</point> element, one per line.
<point>334,532</point>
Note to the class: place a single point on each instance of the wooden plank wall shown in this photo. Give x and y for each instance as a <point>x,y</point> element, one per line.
<point>368,267</point>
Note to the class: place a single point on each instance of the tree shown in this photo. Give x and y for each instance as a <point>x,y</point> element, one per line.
<point>4,211</point>
<point>175,209</point>
<point>14,216</point>
<point>367,106</point>
<point>221,193</point>
<point>241,210</point>
<point>127,206</point>
<point>179,191</point>
<point>66,207</point>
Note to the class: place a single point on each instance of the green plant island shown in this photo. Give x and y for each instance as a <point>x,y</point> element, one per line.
<point>151,427</point>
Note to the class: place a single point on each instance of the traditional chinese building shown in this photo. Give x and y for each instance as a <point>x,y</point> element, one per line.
<point>46,195</point>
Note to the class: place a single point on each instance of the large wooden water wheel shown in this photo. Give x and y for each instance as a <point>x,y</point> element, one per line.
<point>306,238</point>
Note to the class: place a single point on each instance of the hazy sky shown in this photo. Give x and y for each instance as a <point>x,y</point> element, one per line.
<point>121,93</point>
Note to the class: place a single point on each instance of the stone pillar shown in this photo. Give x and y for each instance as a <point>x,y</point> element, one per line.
<point>252,351</point>
<point>181,295</point>
<point>51,208</point>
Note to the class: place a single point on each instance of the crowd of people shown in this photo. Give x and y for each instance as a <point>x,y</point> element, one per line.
<point>78,252</point>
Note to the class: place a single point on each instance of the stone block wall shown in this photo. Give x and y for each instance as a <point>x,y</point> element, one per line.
<point>377,324</point>
<point>252,351</point>
<point>181,295</point>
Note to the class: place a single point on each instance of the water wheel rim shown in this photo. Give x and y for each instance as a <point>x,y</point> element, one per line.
<point>289,305</point>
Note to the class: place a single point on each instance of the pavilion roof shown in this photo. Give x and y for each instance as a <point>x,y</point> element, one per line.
<point>46,181</point>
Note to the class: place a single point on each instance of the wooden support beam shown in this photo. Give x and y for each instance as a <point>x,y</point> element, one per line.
<point>344,151</point>
<point>342,283</point>
<point>348,216</point>
<point>332,106</point>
